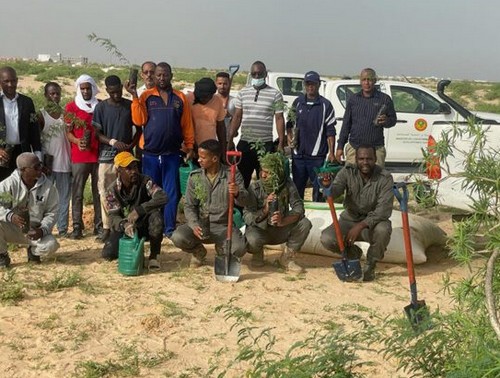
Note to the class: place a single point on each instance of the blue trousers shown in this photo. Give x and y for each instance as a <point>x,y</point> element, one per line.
<point>303,169</point>
<point>164,170</point>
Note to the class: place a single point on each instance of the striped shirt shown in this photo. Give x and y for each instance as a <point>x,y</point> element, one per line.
<point>258,108</point>
<point>359,116</point>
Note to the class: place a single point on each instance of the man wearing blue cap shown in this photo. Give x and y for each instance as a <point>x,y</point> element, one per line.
<point>311,121</point>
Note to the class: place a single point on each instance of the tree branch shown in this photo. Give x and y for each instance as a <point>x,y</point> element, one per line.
<point>490,297</point>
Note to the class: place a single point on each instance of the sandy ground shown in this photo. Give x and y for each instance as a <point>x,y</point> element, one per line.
<point>79,313</point>
<point>165,324</point>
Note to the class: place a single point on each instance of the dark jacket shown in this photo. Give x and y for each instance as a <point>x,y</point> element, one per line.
<point>145,198</point>
<point>29,131</point>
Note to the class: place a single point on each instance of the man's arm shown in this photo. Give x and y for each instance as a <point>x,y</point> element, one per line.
<point>221,135</point>
<point>158,198</point>
<point>187,125</point>
<point>390,114</point>
<point>235,126</point>
<point>253,215</point>
<point>51,211</point>
<point>280,127</point>
<point>344,131</point>
<point>191,204</point>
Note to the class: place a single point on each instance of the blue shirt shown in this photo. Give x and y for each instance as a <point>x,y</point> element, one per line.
<point>315,121</point>
<point>358,127</point>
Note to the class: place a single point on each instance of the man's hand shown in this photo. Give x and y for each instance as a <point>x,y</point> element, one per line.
<point>82,146</point>
<point>120,146</point>
<point>131,88</point>
<point>234,189</point>
<point>381,119</point>
<point>190,154</point>
<point>230,146</point>
<point>35,234</point>
<point>18,221</point>
<point>339,154</point>
<point>133,216</point>
<point>4,155</point>
<point>354,232</point>
<point>129,229</point>
<point>331,157</point>
<point>277,219</point>
<point>197,232</point>
<point>281,148</point>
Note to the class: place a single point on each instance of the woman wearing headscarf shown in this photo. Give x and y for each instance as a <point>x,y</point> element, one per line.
<point>84,152</point>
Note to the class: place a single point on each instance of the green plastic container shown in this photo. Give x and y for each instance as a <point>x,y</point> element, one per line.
<point>184,172</point>
<point>237,218</point>
<point>131,255</point>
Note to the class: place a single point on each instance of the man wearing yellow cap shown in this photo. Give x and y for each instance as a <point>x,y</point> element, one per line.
<point>134,203</point>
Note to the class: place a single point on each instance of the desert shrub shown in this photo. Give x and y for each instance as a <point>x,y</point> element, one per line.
<point>464,342</point>
<point>462,88</point>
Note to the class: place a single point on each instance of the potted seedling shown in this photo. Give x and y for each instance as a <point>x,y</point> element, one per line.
<point>201,195</point>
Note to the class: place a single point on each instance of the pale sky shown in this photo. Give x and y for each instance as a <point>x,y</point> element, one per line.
<point>455,39</point>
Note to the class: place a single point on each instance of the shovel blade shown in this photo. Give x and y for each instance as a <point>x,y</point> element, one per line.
<point>348,270</point>
<point>234,268</point>
<point>418,315</point>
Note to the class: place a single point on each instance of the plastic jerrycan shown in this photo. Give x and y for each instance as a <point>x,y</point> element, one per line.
<point>131,255</point>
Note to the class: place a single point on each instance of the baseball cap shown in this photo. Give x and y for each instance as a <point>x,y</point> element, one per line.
<point>123,159</point>
<point>312,76</point>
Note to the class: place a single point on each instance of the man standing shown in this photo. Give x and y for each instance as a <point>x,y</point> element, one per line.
<point>165,115</point>
<point>147,76</point>
<point>112,120</point>
<point>212,180</point>
<point>223,83</point>
<point>134,202</point>
<point>275,214</point>
<point>19,131</point>
<point>84,152</point>
<point>56,151</point>
<point>366,116</point>
<point>28,191</point>
<point>313,136</point>
<point>208,113</point>
<point>368,207</point>
<point>256,106</point>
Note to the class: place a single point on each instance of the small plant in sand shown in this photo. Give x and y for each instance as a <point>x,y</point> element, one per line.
<point>11,290</point>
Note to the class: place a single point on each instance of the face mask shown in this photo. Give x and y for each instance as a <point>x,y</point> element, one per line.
<point>259,82</point>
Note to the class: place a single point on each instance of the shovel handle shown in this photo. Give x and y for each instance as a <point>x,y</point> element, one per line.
<point>403,202</point>
<point>336,226</point>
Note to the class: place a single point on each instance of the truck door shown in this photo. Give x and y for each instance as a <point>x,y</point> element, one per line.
<point>417,111</point>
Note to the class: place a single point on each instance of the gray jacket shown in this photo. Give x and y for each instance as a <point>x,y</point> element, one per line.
<point>42,200</point>
<point>371,202</point>
<point>218,196</point>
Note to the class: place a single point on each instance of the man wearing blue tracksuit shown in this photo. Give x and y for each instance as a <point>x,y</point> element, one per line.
<point>313,134</point>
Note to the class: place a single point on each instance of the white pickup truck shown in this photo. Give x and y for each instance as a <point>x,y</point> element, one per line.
<point>421,113</point>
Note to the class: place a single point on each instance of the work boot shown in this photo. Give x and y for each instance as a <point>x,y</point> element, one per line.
<point>33,258</point>
<point>286,262</point>
<point>369,271</point>
<point>4,260</point>
<point>198,258</point>
<point>76,234</point>
<point>103,235</point>
<point>257,260</point>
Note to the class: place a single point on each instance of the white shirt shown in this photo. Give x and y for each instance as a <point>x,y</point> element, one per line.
<point>11,120</point>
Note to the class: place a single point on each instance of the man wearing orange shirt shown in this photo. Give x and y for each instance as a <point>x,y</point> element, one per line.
<point>208,112</point>
<point>165,115</point>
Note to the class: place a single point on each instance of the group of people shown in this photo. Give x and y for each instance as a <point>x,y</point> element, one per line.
<point>132,150</point>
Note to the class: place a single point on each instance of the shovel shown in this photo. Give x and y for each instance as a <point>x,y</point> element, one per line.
<point>233,68</point>
<point>346,270</point>
<point>227,268</point>
<point>417,311</point>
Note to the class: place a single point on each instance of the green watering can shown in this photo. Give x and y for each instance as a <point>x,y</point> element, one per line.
<point>184,171</point>
<point>131,255</point>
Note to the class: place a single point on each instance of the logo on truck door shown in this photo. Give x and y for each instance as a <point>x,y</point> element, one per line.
<point>420,124</point>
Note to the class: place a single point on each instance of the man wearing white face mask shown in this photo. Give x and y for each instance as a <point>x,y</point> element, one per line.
<point>256,107</point>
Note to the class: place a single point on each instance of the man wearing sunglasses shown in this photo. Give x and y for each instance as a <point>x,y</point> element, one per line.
<point>256,107</point>
<point>29,205</point>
